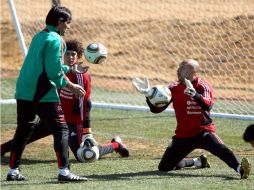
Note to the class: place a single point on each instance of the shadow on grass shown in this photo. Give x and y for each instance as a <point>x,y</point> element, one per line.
<point>30,182</point>
<point>123,176</point>
<point>155,174</point>
<point>25,161</point>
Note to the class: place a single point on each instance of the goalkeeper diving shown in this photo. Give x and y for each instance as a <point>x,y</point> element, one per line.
<point>192,99</point>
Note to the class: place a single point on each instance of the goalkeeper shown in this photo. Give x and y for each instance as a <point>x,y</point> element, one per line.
<point>76,111</point>
<point>192,100</point>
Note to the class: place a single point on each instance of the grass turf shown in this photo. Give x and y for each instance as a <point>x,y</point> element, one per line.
<point>147,136</point>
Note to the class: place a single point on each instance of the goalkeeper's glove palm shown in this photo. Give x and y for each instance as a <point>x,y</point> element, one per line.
<point>189,90</point>
<point>88,141</point>
<point>142,86</point>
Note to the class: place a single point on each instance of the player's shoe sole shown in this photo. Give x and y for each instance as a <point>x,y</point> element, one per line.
<point>245,168</point>
<point>71,178</point>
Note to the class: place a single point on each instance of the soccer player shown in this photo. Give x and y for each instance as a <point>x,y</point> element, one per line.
<point>192,99</point>
<point>248,135</point>
<point>36,94</point>
<point>76,111</point>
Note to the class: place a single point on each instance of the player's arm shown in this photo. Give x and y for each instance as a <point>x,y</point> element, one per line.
<point>53,63</point>
<point>87,132</point>
<point>66,69</point>
<point>144,88</point>
<point>87,136</point>
<point>204,102</point>
<point>53,67</point>
<point>155,109</point>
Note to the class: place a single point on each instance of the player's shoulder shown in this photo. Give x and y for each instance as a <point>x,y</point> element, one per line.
<point>54,37</point>
<point>85,76</point>
<point>174,85</point>
<point>53,41</point>
<point>202,82</point>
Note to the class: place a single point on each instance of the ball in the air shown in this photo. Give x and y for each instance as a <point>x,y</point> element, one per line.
<point>95,53</point>
<point>160,96</point>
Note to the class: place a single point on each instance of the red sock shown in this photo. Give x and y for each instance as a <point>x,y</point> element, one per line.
<point>115,145</point>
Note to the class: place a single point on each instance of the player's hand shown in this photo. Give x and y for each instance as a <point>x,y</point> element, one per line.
<point>88,141</point>
<point>189,90</point>
<point>78,68</point>
<point>142,86</point>
<point>76,89</point>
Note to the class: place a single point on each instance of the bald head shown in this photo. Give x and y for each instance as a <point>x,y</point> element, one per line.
<point>193,63</point>
<point>187,69</point>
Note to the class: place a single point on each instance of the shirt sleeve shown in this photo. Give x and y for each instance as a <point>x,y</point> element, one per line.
<point>204,96</point>
<point>87,103</point>
<point>53,62</point>
<point>65,68</point>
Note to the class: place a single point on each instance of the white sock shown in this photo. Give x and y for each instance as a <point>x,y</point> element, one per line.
<point>238,169</point>
<point>64,171</point>
<point>14,171</point>
<point>197,162</point>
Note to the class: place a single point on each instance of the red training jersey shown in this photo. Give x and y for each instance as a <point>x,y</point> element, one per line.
<point>192,114</point>
<point>75,109</point>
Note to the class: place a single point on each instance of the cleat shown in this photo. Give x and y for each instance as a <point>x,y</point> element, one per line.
<point>71,178</point>
<point>245,168</point>
<point>122,149</point>
<point>204,161</point>
<point>15,177</point>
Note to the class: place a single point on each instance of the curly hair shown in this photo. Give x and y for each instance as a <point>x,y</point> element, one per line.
<point>248,134</point>
<point>75,45</point>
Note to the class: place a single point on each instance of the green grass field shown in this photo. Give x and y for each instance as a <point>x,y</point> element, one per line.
<point>147,136</point>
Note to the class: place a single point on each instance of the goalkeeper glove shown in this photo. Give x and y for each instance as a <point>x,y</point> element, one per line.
<point>88,141</point>
<point>142,86</point>
<point>189,90</point>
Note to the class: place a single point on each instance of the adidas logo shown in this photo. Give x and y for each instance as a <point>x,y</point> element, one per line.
<point>73,134</point>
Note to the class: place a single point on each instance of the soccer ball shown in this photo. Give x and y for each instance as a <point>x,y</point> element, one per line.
<point>95,53</point>
<point>88,154</point>
<point>160,96</point>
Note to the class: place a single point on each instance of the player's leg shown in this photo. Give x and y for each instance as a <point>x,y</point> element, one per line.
<point>38,131</point>
<point>51,115</point>
<point>119,146</point>
<point>25,116</point>
<point>75,138</point>
<point>104,149</point>
<point>175,153</point>
<point>212,143</point>
<point>198,162</point>
<point>116,145</point>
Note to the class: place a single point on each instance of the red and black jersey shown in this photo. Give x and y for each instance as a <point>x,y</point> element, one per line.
<point>75,109</point>
<point>192,114</point>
